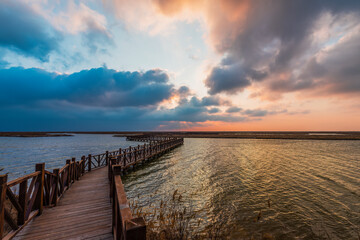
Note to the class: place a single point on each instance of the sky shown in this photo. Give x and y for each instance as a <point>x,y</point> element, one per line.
<point>192,65</point>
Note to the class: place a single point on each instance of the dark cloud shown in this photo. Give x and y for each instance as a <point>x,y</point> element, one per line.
<point>277,38</point>
<point>75,118</point>
<point>183,91</point>
<point>233,110</point>
<point>213,110</point>
<point>339,71</point>
<point>226,79</point>
<point>195,110</point>
<point>208,101</point>
<point>98,99</point>
<point>98,87</point>
<point>24,31</point>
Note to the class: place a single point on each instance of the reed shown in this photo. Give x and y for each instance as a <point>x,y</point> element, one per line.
<point>171,219</point>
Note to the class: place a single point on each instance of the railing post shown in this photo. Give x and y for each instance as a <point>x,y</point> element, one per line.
<point>22,202</point>
<point>3,187</point>
<point>89,163</point>
<point>130,156</point>
<point>116,170</point>
<point>56,190</point>
<point>73,169</point>
<point>39,200</point>
<point>111,179</point>
<point>124,157</point>
<point>83,165</point>
<point>107,157</point>
<point>111,162</point>
<point>135,229</point>
<point>68,162</point>
<point>78,170</point>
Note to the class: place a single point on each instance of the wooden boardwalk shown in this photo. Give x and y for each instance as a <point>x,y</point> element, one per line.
<point>84,212</point>
<point>83,200</point>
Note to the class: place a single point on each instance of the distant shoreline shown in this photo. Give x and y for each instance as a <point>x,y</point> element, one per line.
<point>310,135</point>
<point>33,134</point>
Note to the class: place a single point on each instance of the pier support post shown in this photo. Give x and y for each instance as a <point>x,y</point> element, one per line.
<point>3,187</point>
<point>39,201</point>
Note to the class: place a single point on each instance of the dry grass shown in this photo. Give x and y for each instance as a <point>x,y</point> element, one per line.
<point>171,219</point>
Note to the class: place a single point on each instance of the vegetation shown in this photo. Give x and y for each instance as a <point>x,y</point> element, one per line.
<point>170,219</point>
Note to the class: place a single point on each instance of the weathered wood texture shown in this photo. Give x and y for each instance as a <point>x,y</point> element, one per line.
<point>84,212</point>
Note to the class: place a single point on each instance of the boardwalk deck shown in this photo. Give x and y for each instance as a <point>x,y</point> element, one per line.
<point>84,212</point>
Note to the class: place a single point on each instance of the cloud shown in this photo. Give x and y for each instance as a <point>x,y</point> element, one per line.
<point>231,78</point>
<point>209,101</point>
<point>233,110</point>
<point>262,112</point>
<point>256,113</point>
<point>279,46</point>
<point>97,87</point>
<point>3,63</point>
<point>79,18</point>
<point>99,99</point>
<point>194,110</point>
<point>25,32</point>
<point>213,110</point>
<point>183,92</point>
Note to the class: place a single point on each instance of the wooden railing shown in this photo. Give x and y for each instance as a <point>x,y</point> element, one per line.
<point>24,198</point>
<point>124,225</point>
<point>146,138</point>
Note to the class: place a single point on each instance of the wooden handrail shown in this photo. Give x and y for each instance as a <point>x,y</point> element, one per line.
<point>21,179</point>
<point>46,188</point>
<point>124,225</point>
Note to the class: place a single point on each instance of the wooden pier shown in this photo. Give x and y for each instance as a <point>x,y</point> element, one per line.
<point>83,200</point>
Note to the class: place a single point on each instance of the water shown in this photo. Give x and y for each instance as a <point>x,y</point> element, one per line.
<point>18,156</point>
<point>313,186</point>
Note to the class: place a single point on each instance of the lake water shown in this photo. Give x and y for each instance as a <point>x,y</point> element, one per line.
<point>313,186</point>
<point>18,155</point>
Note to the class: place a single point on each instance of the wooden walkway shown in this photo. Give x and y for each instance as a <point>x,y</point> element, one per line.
<point>84,212</point>
<point>83,200</point>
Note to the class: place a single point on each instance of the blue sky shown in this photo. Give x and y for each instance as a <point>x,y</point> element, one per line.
<point>179,65</point>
